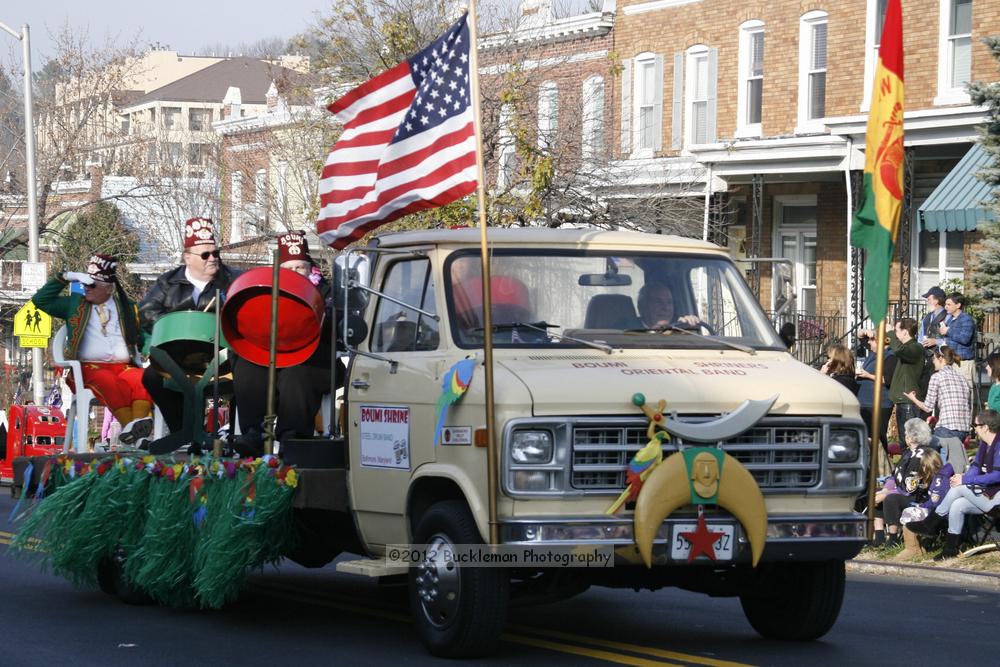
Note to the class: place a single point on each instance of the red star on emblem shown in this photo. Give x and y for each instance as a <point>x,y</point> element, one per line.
<point>701,540</point>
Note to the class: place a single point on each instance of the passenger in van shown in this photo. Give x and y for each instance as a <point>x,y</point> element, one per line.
<point>511,305</point>
<point>656,307</point>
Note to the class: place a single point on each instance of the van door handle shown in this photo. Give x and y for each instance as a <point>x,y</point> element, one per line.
<point>359,384</point>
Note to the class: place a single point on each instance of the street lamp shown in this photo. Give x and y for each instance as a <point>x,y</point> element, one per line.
<point>29,149</point>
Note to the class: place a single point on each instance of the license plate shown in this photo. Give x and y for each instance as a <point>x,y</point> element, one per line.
<point>723,545</point>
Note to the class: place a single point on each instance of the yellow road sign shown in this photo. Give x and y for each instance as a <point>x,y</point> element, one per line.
<point>30,321</point>
<point>33,341</point>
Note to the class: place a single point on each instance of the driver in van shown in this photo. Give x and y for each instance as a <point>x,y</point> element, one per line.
<point>656,308</point>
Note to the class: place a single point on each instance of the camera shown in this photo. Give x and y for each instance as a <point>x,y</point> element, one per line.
<point>862,349</point>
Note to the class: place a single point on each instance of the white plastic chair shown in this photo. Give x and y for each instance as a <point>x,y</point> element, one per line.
<point>78,414</point>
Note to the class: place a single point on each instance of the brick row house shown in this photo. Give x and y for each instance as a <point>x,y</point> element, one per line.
<point>758,111</point>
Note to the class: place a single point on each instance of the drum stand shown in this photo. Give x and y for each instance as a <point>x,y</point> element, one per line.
<point>193,429</point>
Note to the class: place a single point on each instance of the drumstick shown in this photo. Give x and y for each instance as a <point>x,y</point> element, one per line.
<point>210,304</point>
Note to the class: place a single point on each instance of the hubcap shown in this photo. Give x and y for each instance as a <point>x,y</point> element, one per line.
<point>438,582</point>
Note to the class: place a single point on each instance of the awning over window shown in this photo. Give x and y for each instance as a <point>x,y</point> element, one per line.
<point>959,202</point>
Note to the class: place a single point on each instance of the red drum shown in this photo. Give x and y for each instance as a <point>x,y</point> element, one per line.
<point>246,317</point>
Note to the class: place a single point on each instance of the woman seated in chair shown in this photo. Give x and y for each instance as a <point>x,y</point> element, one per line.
<point>103,334</point>
<point>975,492</point>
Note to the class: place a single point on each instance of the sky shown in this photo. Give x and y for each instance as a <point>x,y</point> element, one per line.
<point>185,25</point>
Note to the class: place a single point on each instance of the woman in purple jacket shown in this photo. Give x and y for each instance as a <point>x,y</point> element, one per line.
<point>975,492</point>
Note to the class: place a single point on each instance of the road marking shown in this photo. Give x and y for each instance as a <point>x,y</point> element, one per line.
<point>632,648</point>
<point>658,655</point>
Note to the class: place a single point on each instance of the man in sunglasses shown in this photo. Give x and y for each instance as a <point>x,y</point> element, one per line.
<point>191,286</point>
<point>103,334</point>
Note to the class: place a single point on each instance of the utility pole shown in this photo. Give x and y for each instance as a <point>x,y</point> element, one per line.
<point>37,382</point>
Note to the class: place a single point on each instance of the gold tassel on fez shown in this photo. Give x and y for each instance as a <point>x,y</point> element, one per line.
<point>700,476</point>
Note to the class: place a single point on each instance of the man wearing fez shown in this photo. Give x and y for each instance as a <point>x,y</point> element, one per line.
<point>299,389</point>
<point>190,286</point>
<point>103,334</point>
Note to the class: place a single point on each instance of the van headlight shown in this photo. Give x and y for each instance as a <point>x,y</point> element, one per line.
<point>844,447</point>
<point>533,447</point>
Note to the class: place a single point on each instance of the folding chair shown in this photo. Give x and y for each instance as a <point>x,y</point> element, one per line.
<point>78,414</point>
<point>986,534</point>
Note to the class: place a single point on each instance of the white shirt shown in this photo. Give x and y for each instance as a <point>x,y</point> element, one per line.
<point>103,340</point>
<point>199,286</point>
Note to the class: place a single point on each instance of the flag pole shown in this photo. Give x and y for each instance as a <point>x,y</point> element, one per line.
<point>876,430</point>
<point>492,462</point>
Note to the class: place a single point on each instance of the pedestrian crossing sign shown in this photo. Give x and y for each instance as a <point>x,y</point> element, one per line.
<point>30,321</point>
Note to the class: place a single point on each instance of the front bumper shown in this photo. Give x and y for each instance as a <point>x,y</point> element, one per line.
<point>789,537</point>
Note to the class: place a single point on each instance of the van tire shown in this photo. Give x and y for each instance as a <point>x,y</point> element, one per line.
<point>796,601</point>
<point>459,612</point>
<point>115,577</point>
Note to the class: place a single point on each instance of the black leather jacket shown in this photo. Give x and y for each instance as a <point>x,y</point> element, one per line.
<point>173,292</point>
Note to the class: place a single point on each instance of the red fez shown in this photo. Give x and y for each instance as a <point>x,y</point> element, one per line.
<point>197,231</point>
<point>293,246</point>
<point>102,268</point>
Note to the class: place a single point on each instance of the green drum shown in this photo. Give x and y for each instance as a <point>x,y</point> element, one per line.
<point>187,337</point>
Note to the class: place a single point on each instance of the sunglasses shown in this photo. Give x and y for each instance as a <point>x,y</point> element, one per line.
<point>205,255</point>
<point>978,424</point>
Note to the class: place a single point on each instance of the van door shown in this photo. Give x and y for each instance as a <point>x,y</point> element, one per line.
<point>392,406</point>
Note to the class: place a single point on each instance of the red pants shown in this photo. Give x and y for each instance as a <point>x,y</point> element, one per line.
<point>114,385</point>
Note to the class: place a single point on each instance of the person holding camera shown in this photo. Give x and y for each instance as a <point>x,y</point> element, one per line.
<point>909,366</point>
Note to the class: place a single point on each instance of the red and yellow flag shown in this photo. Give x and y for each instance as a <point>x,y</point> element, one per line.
<point>876,223</point>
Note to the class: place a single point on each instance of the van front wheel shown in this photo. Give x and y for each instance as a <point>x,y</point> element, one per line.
<point>459,611</point>
<point>796,601</point>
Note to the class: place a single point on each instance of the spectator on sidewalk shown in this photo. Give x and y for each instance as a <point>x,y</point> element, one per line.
<point>907,486</point>
<point>866,386</point>
<point>948,393</point>
<point>840,366</point>
<point>975,492</point>
<point>935,315</point>
<point>993,398</point>
<point>958,331</point>
<point>910,364</point>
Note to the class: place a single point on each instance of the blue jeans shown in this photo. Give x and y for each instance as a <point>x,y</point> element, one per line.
<point>943,432</point>
<point>962,500</point>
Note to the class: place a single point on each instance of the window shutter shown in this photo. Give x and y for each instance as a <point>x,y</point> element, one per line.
<point>676,119</point>
<point>626,140</point>
<point>713,73</point>
<point>658,105</point>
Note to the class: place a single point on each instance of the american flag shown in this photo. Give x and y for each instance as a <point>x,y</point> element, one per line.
<point>408,142</point>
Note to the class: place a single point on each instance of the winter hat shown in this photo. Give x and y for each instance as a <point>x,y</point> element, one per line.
<point>197,231</point>
<point>102,268</point>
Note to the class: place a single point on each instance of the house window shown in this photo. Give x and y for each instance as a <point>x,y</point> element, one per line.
<point>171,118</point>
<point>548,114</point>
<point>283,191</point>
<point>795,238</point>
<point>173,152</point>
<point>940,256</point>
<point>260,193</point>
<point>200,120</point>
<point>697,95</point>
<point>750,96</point>
<point>954,51</point>
<point>125,124</point>
<point>812,71</point>
<point>592,141</point>
<point>875,19</point>
<point>506,148</point>
<point>960,42</point>
<point>646,86</point>
<point>236,210</point>
<point>198,154</point>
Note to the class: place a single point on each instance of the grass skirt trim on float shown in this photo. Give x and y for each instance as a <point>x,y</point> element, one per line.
<point>191,530</point>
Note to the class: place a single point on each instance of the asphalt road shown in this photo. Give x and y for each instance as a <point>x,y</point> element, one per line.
<point>319,617</point>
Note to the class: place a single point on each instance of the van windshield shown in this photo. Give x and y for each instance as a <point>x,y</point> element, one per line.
<point>626,301</point>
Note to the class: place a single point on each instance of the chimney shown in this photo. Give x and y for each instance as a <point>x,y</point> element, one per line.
<point>272,98</point>
<point>535,13</point>
<point>231,103</point>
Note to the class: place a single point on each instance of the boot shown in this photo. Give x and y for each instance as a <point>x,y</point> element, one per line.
<point>911,548</point>
<point>891,541</point>
<point>879,539</point>
<point>950,547</point>
<point>930,526</point>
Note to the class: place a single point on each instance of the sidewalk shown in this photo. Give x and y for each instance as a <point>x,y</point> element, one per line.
<point>981,571</point>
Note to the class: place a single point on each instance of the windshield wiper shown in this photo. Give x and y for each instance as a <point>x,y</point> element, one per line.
<point>670,328</point>
<point>542,327</point>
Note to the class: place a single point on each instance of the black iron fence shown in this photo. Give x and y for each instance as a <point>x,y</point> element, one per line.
<point>814,333</point>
